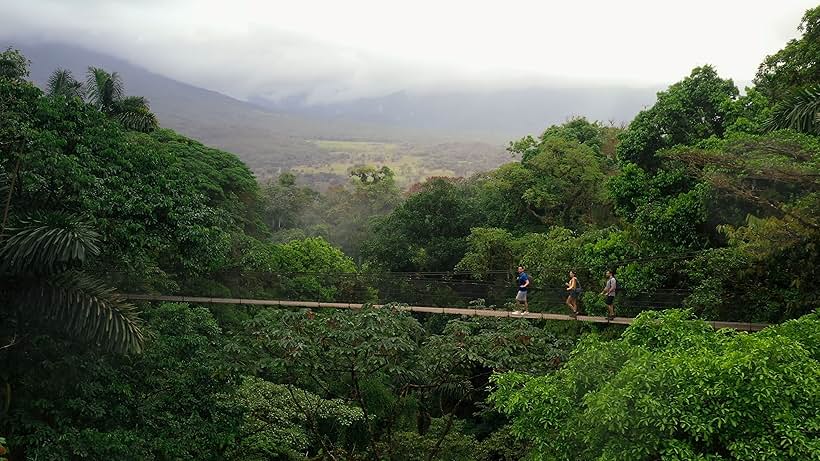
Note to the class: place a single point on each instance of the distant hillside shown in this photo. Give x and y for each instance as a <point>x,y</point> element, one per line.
<point>206,115</point>
<point>484,114</point>
<point>449,133</point>
<point>269,141</point>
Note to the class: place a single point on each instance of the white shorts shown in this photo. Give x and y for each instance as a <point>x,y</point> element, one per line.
<point>521,296</point>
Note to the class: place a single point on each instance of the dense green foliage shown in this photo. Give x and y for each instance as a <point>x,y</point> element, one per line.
<point>342,215</point>
<point>166,403</point>
<point>704,207</point>
<point>695,108</point>
<point>401,377</point>
<point>43,286</point>
<point>800,111</point>
<point>13,65</point>
<point>673,388</point>
<point>790,79</point>
<point>796,65</point>
<point>165,205</point>
<point>708,200</point>
<point>63,84</point>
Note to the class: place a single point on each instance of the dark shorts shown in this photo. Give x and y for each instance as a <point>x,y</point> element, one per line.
<point>574,293</point>
<point>610,300</point>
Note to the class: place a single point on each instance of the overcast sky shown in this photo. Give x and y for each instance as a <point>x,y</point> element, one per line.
<point>338,49</point>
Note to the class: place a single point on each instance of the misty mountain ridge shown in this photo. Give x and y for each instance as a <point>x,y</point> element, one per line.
<point>420,133</point>
<point>506,113</point>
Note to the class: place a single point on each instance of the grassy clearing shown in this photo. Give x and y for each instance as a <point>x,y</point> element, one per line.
<point>362,147</point>
<point>345,155</point>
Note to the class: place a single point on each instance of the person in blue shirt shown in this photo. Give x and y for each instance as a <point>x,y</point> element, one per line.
<point>523,284</point>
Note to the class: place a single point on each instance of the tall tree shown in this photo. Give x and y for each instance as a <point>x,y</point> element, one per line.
<point>13,65</point>
<point>428,231</point>
<point>579,129</point>
<point>795,66</point>
<point>286,202</point>
<point>344,213</point>
<point>693,109</point>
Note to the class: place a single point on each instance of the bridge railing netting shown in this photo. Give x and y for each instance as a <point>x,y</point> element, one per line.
<point>491,290</point>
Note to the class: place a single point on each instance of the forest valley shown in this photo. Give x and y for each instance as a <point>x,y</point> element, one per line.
<point>705,206</point>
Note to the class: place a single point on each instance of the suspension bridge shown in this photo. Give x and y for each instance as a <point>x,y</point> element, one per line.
<point>473,312</point>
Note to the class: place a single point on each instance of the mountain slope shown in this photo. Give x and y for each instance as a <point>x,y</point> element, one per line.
<point>268,141</point>
<point>206,115</point>
<point>418,134</point>
<point>506,113</point>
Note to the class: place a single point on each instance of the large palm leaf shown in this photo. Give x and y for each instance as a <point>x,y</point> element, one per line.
<point>4,186</point>
<point>45,244</point>
<point>134,113</point>
<point>62,83</point>
<point>38,273</point>
<point>103,88</point>
<point>800,111</point>
<point>85,308</point>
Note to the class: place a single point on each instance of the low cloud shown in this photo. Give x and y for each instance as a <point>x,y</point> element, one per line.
<point>341,50</point>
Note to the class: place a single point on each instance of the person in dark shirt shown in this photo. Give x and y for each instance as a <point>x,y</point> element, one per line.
<point>523,284</point>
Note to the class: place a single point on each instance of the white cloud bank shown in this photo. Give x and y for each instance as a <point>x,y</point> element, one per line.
<point>343,49</point>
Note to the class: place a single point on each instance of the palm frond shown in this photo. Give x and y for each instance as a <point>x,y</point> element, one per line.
<point>116,87</point>
<point>62,83</point>
<point>104,89</point>
<point>800,111</point>
<point>5,203</point>
<point>84,307</point>
<point>41,244</point>
<point>94,83</point>
<point>455,390</point>
<point>133,103</point>
<point>4,185</point>
<point>134,113</point>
